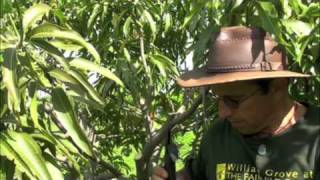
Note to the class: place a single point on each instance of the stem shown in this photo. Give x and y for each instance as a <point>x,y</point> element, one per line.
<point>14,27</point>
<point>143,58</point>
<point>21,36</point>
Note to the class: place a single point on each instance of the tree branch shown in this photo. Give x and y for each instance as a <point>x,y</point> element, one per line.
<point>182,115</point>
<point>179,118</point>
<point>110,168</point>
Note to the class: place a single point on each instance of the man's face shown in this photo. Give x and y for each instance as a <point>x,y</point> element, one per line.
<point>245,105</point>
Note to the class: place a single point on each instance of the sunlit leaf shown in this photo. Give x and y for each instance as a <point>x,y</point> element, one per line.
<point>93,16</point>
<point>8,151</point>
<point>34,69</point>
<point>90,66</point>
<point>161,66</point>
<point>126,26</point>
<point>29,151</point>
<point>311,11</point>
<point>64,113</point>
<point>34,111</point>
<point>150,21</point>
<point>9,73</point>
<point>48,30</point>
<point>53,51</point>
<point>70,81</point>
<point>65,45</point>
<point>127,54</point>
<point>299,27</point>
<point>53,167</point>
<point>91,91</point>
<point>33,14</point>
<point>164,64</point>
<point>167,22</point>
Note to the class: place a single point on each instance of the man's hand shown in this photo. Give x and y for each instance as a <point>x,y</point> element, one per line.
<point>160,173</point>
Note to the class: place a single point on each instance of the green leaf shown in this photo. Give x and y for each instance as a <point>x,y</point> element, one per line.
<point>127,54</point>
<point>34,110</point>
<point>34,69</point>
<point>311,11</point>
<point>65,115</point>
<point>297,6</point>
<point>62,76</point>
<point>34,13</point>
<point>299,27</point>
<point>5,45</point>
<point>164,64</point>
<point>126,26</point>
<point>150,21</point>
<point>5,7</point>
<point>167,22</point>
<point>83,99</point>
<point>192,14</point>
<point>303,45</point>
<point>269,23</point>
<point>6,168</point>
<point>269,8</point>
<point>29,151</point>
<point>201,45</point>
<point>65,45</point>
<point>59,14</point>
<point>70,81</point>
<point>84,64</point>
<point>53,167</point>
<point>93,16</point>
<point>160,66</point>
<point>46,46</point>
<point>8,151</point>
<point>71,148</point>
<point>9,73</point>
<point>53,51</point>
<point>3,103</point>
<point>48,30</point>
<point>91,91</point>
<point>286,8</point>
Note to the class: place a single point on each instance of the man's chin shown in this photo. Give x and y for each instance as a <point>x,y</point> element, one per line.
<point>246,132</point>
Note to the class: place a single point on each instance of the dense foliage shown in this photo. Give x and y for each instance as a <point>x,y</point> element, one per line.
<point>87,87</point>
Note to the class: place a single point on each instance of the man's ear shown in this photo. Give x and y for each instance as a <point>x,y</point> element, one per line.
<point>278,84</point>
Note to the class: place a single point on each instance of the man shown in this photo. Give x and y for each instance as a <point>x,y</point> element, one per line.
<point>262,133</point>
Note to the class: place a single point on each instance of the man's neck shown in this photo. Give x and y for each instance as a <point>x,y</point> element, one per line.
<point>284,120</point>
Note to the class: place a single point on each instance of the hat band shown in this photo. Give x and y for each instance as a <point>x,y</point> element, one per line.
<point>262,66</point>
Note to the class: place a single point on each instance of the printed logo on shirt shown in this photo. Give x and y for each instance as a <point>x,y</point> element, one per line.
<point>234,171</point>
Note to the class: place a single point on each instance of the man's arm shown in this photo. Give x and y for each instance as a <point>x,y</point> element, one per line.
<point>161,174</point>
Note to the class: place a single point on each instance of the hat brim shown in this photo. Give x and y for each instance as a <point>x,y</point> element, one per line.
<point>199,77</point>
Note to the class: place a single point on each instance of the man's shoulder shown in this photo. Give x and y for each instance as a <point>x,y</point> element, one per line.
<point>312,117</point>
<point>218,127</point>
<point>313,112</point>
<point>219,130</point>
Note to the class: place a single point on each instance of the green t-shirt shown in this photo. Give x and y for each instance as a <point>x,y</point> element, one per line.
<point>227,155</point>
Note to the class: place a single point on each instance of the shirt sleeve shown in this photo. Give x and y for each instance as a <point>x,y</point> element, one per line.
<point>195,168</point>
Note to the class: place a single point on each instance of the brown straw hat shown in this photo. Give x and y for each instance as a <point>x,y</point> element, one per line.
<point>237,54</point>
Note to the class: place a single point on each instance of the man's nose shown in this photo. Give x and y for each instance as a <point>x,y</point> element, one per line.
<point>224,110</point>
